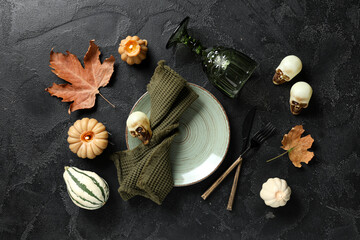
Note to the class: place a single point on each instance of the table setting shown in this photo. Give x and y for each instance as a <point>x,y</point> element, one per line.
<point>116,116</point>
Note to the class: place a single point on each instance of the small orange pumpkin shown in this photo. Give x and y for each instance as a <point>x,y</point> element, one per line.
<point>133,49</point>
<point>87,138</point>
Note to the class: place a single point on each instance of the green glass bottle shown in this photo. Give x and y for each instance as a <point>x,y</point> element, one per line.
<point>226,68</point>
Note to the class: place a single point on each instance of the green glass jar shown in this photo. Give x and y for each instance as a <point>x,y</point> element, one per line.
<point>226,68</point>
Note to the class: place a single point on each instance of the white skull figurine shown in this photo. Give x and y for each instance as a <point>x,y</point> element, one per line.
<point>288,68</point>
<point>300,95</point>
<point>138,125</point>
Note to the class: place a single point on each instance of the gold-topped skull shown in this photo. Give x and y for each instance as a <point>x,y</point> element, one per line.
<point>288,68</point>
<point>300,95</point>
<point>138,125</point>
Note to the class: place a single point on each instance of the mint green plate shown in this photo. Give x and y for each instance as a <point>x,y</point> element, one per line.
<point>203,139</point>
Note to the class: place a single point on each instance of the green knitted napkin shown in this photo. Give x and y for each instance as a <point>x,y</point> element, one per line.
<point>146,170</point>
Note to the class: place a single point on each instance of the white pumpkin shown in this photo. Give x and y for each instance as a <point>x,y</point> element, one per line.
<point>86,189</point>
<point>275,192</point>
<point>87,138</point>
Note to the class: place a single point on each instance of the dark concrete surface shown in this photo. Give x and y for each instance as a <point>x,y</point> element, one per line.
<point>325,203</point>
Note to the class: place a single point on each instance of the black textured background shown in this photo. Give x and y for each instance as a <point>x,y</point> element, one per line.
<point>33,150</point>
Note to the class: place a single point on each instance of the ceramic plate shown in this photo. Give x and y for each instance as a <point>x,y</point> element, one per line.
<point>202,141</point>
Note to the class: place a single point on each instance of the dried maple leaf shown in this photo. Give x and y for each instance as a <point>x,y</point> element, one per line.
<point>297,146</point>
<point>85,81</point>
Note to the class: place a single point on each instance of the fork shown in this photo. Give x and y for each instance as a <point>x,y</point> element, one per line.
<point>255,142</point>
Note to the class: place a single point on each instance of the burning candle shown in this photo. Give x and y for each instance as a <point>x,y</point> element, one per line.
<point>133,49</point>
<point>87,138</point>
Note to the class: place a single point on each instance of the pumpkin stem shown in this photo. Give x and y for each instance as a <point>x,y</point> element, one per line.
<point>279,195</point>
<point>66,168</point>
<point>107,100</point>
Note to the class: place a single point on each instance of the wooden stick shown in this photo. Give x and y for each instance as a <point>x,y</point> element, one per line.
<point>221,178</point>
<point>233,189</point>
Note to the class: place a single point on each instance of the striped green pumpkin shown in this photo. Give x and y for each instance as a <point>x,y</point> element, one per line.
<point>86,189</point>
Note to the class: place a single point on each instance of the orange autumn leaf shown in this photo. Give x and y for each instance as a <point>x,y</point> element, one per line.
<point>298,146</point>
<point>85,81</point>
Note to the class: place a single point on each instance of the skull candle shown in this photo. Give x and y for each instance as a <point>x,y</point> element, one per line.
<point>138,125</point>
<point>300,95</point>
<point>289,67</point>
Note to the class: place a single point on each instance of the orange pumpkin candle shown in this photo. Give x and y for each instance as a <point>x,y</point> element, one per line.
<point>87,138</point>
<point>133,49</point>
